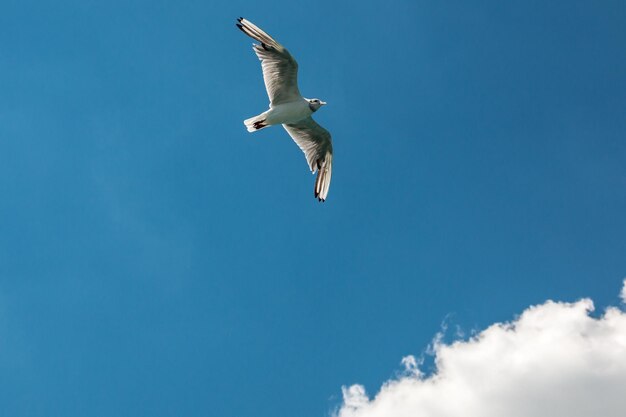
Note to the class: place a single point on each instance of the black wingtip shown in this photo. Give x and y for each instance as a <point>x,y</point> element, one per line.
<point>240,19</point>
<point>240,27</point>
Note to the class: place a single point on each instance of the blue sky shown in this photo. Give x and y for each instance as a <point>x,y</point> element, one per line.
<point>157,259</point>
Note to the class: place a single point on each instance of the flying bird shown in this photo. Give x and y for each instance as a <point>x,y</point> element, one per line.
<point>289,108</point>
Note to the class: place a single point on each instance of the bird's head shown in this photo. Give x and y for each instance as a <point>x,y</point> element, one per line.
<point>315,103</point>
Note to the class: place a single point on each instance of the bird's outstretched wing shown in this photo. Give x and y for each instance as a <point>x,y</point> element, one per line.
<point>280,70</point>
<point>317,146</point>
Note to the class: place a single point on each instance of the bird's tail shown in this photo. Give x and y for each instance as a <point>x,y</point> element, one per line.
<point>256,123</point>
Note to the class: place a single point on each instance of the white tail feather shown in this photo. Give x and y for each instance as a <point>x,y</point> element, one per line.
<point>250,123</point>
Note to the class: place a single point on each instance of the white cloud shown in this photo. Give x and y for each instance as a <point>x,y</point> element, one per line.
<point>555,360</point>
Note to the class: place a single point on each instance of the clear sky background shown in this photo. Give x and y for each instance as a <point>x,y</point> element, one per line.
<point>157,259</point>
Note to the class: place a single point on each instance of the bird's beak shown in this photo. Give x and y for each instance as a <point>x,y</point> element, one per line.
<point>322,103</point>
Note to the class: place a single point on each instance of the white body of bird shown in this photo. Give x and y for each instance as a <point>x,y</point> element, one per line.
<point>284,113</point>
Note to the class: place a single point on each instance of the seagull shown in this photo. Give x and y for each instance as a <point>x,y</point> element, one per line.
<point>289,108</point>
